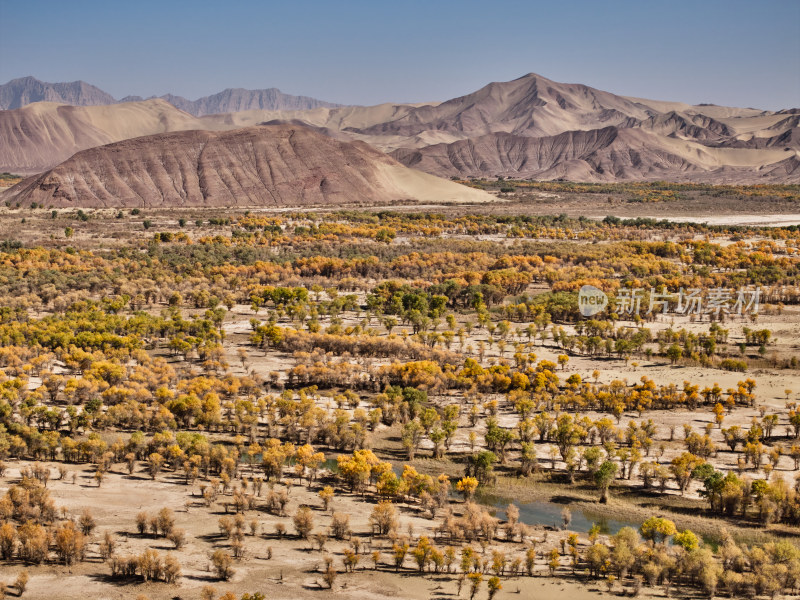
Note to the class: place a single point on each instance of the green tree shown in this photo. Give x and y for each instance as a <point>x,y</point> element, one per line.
<point>481,466</point>
<point>603,478</point>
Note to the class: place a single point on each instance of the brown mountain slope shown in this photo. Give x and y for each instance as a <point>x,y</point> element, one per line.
<point>256,166</point>
<point>606,154</point>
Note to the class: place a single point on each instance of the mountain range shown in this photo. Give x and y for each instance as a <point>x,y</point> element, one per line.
<point>531,127</point>
<point>27,90</point>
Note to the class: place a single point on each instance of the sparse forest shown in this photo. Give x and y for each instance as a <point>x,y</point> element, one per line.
<point>211,405</point>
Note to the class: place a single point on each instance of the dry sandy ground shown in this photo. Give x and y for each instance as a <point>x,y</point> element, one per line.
<point>291,573</point>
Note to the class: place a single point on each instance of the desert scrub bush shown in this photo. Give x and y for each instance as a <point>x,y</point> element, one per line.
<point>166,521</point>
<point>178,537</point>
<point>141,523</point>
<point>303,522</point>
<point>87,522</point>
<point>8,540</point>
<point>223,564</point>
<point>21,583</point>
<point>326,495</point>
<point>340,525</point>
<point>108,545</point>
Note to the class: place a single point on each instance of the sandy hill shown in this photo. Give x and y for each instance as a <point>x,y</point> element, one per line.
<point>39,136</point>
<point>271,166</point>
<point>535,127</point>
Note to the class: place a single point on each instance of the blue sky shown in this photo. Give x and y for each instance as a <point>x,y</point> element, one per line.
<point>366,52</point>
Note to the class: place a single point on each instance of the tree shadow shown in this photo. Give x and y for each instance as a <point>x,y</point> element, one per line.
<point>211,538</point>
<point>563,499</point>
<point>208,578</point>
<point>120,581</point>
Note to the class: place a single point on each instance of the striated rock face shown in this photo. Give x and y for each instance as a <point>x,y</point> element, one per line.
<point>26,90</point>
<point>698,127</point>
<point>608,154</point>
<point>504,153</point>
<point>271,166</point>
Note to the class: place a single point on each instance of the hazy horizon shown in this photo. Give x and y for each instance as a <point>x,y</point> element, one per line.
<point>729,53</point>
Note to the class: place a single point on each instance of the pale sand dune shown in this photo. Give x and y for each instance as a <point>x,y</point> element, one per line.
<point>410,183</point>
<point>722,112</point>
<point>710,110</point>
<point>390,143</point>
<point>661,105</point>
<point>428,138</point>
<point>247,118</point>
<point>758,126</point>
<point>365,116</point>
